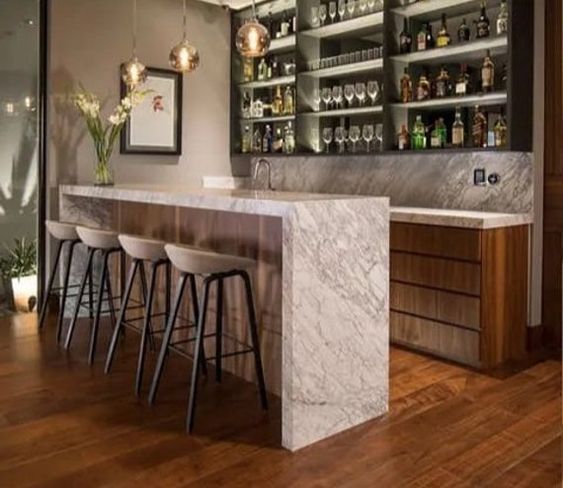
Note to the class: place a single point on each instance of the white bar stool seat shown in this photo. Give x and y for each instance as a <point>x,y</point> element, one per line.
<point>200,262</point>
<point>62,231</point>
<point>143,248</point>
<point>98,238</point>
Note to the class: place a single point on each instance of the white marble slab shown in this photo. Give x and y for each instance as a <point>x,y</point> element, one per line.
<point>335,296</point>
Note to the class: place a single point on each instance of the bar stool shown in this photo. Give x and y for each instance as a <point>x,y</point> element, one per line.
<point>213,267</point>
<point>65,234</point>
<point>105,243</point>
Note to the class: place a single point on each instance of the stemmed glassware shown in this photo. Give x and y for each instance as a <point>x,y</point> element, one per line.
<point>341,9</point>
<point>327,138</point>
<point>373,91</point>
<point>371,5</point>
<point>315,16</point>
<point>361,93</point>
<point>337,96</point>
<point>362,5</point>
<point>349,94</point>
<point>367,134</point>
<point>322,13</point>
<point>326,95</point>
<point>351,6</point>
<point>340,138</point>
<point>379,135</point>
<point>354,136</point>
<point>317,99</point>
<point>332,11</point>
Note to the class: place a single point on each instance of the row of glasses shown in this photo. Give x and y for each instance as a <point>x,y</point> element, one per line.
<point>368,133</point>
<point>346,58</point>
<point>333,98</point>
<point>346,10</point>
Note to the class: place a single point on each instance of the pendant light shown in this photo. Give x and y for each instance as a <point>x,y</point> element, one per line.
<point>133,72</point>
<point>184,57</point>
<point>253,39</point>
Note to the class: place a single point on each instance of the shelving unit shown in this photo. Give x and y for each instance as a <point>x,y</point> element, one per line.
<point>481,99</point>
<point>352,69</point>
<point>358,27</point>
<point>283,44</point>
<point>280,80</point>
<point>345,112</point>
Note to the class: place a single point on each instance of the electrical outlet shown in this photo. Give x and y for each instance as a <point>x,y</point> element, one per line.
<point>480,177</point>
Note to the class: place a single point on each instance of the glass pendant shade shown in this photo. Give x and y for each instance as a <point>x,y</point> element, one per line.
<point>253,39</point>
<point>184,57</point>
<point>133,73</point>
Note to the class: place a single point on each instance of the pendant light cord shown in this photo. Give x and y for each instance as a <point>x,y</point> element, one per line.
<point>254,9</point>
<point>134,28</point>
<point>185,21</point>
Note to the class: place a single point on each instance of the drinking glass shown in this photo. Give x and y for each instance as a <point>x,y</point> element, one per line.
<point>363,5</point>
<point>351,6</point>
<point>349,94</point>
<point>367,134</point>
<point>326,95</point>
<point>327,138</point>
<point>379,135</point>
<point>341,9</point>
<point>332,11</point>
<point>337,96</point>
<point>373,91</point>
<point>371,5</point>
<point>361,93</point>
<point>314,16</point>
<point>322,13</point>
<point>354,136</point>
<point>317,99</point>
<point>340,138</point>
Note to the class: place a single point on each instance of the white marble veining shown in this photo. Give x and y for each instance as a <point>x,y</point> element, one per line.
<point>335,297</point>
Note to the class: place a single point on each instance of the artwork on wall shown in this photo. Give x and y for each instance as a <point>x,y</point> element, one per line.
<point>155,126</point>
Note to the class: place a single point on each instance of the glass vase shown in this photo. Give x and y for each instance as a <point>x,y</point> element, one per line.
<point>103,174</point>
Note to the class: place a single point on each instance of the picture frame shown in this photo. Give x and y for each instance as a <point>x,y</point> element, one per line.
<point>155,126</point>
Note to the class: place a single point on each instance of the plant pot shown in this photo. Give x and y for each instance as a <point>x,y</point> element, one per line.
<point>25,293</point>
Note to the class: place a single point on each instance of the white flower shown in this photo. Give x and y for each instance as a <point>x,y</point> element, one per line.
<point>114,119</point>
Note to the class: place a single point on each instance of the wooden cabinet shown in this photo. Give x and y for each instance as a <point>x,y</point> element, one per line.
<point>461,294</point>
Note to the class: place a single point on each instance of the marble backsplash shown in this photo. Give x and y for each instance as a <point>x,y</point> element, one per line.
<point>431,180</point>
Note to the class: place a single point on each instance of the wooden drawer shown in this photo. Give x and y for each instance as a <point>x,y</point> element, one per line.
<point>438,305</point>
<point>447,242</point>
<point>457,276</point>
<point>446,341</point>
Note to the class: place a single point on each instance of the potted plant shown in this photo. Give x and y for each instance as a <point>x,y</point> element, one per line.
<point>19,269</point>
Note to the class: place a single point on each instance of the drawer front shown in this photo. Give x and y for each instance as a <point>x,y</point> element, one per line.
<point>447,341</point>
<point>447,242</point>
<point>437,305</point>
<point>447,275</point>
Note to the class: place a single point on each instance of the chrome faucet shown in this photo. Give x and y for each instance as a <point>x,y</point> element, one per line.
<point>266,163</point>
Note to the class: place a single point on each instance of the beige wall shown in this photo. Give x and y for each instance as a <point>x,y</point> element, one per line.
<point>89,40</point>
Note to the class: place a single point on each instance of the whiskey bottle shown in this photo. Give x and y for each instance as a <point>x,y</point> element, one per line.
<point>246,142</point>
<point>443,84</point>
<point>405,39</point>
<point>257,109</point>
<point>247,70</point>
<point>501,131</point>
<point>429,36</point>
<point>289,139</point>
<point>463,32</point>
<point>267,140</point>
<point>406,87</point>
<point>288,101</point>
<point>458,130</point>
<point>421,39</point>
<point>480,128</point>
<point>443,38</point>
<point>257,141</point>
<point>418,134</point>
<point>284,26</point>
<point>423,88</point>
<point>274,70</point>
<point>502,19</point>
<point>277,145</point>
<point>277,102</point>
<point>483,24</point>
<point>439,135</point>
<point>262,70</point>
<point>246,106</point>
<point>403,139</point>
<point>488,74</point>
<point>462,84</point>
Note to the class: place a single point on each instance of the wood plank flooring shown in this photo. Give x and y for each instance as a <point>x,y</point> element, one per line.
<point>63,424</point>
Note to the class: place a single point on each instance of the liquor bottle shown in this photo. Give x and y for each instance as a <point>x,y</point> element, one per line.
<point>257,109</point>
<point>504,77</point>
<point>483,24</point>
<point>289,139</point>
<point>488,73</point>
<point>406,87</point>
<point>443,84</point>
<point>421,39</point>
<point>435,141</point>
<point>246,106</point>
<point>405,38</point>
<point>277,102</point>
<point>463,82</point>
<point>502,19</point>
<point>418,134</point>
<point>442,132</point>
<point>480,128</point>
<point>288,101</point>
<point>247,70</point>
<point>262,70</point>
<point>458,130</point>
<point>443,38</point>
<point>277,145</point>
<point>293,24</point>
<point>501,131</point>
<point>429,36</point>
<point>246,142</point>
<point>423,89</point>
<point>270,25</point>
<point>284,26</point>
<point>257,141</point>
<point>463,31</point>
<point>403,138</point>
<point>267,140</point>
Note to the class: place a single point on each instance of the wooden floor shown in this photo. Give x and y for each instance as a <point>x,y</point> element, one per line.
<point>63,424</point>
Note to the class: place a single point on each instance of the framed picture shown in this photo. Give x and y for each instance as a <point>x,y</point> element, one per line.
<point>155,126</point>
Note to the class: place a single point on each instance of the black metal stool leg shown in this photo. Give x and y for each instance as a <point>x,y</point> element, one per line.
<point>195,307</point>
<point>91,293</point>
<point>144,296</point>
<point>146,332</point>
<point>47,295</point>
<point>121,318</point>
<point>87,274</point>
<point>197,353</point>
<point>167,337</point>
<point>255,340</point>
<point>168,289</point>
<point>96,324</point>
<point>71,247</point>
<point>219,331</point>
<point>111,303</point>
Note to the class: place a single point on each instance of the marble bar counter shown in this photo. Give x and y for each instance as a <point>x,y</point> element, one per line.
<point>322,286</point>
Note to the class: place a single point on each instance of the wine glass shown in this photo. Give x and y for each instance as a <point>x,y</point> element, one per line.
<point>327,138</point>
<point>340,138</point>
<point>371,5</point>
<point>361,93</point>
<point>351,6</point>
<point>367,134</point>
<point>337,95</point>
<point>317,99</point>
<point>354,136</point>
<point>373,91</point>
<point>326,95</point>
<point>314,16</point>
<point>341,9</point>
<point>363,5</point>
<point>322,13</point>
<point>349,94</point>
<point>379,135</point>
<point>332,11</point>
